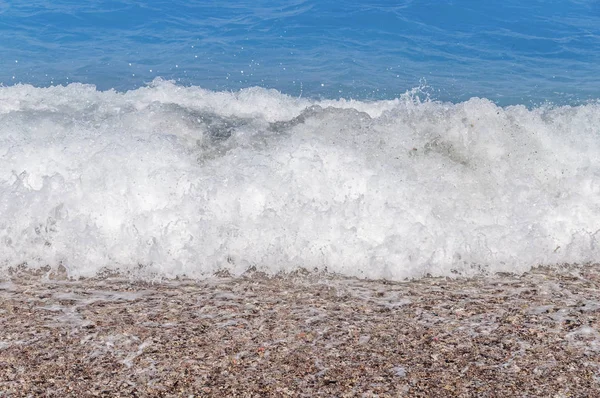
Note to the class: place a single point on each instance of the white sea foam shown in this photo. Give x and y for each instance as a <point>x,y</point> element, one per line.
<point>169,180</point>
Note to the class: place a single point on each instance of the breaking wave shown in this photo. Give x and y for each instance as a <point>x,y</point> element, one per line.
<point>174,181</point>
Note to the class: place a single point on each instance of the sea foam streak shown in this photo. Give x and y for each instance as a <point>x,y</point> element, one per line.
<point>168,180</point>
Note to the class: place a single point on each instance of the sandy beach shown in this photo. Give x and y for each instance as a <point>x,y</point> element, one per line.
<point>535,335</point>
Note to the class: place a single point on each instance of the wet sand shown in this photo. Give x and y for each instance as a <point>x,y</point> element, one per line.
<point>535,335</point>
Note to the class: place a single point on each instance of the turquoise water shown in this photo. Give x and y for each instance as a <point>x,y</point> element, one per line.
<point>509,52</point>
<point>171,138</point>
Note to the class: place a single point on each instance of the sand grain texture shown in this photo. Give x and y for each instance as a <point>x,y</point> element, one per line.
<point>303,335</point>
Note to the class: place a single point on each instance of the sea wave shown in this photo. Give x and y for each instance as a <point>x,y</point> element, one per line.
<point>170,181</point>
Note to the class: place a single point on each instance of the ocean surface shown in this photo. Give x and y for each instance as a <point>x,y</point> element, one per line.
<point>374,139</point>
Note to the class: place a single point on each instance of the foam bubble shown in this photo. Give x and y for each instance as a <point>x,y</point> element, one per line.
<point>169,180</point>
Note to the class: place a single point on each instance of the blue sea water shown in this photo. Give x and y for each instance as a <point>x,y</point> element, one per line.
<point>375,139</point>
<point>510,52</point>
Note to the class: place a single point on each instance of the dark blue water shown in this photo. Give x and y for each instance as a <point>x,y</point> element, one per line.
<point>510,52</point>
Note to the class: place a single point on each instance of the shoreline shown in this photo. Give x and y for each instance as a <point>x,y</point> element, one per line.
<point>306,335</point>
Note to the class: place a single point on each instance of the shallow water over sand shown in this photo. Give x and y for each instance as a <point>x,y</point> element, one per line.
<point>536,334</point>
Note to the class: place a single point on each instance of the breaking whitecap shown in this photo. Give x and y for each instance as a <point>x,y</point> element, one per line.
<point>171,181</point>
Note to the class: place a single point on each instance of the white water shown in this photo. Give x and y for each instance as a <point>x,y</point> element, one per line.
<point>169,180</point>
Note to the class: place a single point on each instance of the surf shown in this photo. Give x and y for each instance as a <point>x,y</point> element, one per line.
<point>169,180</point>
